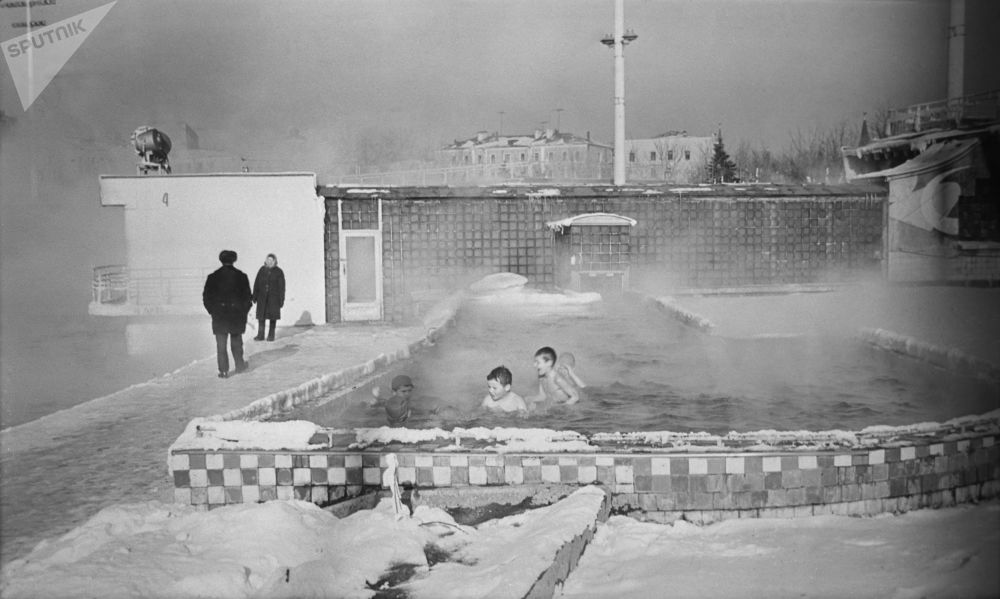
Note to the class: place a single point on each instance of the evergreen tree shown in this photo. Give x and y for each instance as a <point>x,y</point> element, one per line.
<point>721,169</point>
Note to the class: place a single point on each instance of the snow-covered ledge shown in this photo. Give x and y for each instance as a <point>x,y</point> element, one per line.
<point>660,476</point>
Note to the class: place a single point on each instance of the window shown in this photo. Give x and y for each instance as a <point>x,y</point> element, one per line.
<point>576,155</point>
<point>534,156</point>
<point>466,159</point>
<point>652,156</point>
<point>564,155</point>
<point>670,154</point>
<point>631,156</point>
<point>522,156</point>
<point>506,156</point>
<point>687,154</point>
<point>479,159</point>
<point>493,158</point>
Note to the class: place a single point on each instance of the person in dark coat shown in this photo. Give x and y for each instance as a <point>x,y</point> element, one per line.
<point>227,298</point>
<point>269,294</point>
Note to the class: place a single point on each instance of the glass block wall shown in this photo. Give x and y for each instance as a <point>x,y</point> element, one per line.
<point>443,238</point>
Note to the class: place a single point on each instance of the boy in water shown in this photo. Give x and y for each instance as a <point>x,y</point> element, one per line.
<point>397,406</point>
<point>500,397</point>
<point>552,386</point>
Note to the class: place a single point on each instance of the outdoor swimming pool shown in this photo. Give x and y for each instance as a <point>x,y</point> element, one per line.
<point>647,372</point>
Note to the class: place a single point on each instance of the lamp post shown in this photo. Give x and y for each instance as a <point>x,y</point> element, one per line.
<point>618,42</point>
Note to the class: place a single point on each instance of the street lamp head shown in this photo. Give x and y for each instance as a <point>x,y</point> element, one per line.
<point>608,40</point>
<point>630,36</point>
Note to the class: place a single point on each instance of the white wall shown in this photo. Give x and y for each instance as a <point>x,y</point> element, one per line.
<point>184,221</point>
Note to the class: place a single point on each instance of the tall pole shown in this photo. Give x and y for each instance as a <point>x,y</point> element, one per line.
<point>619,174</point>
<point>956,50</point>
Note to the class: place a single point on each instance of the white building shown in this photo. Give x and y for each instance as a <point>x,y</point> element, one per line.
<point>176,225</point>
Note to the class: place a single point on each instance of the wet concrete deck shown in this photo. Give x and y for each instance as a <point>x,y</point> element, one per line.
<point>60,470</point>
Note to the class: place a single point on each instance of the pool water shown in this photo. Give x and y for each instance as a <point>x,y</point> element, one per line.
<point>646,372</point>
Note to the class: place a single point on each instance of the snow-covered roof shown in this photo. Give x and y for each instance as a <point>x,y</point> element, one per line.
<point>930,159</point>
<point>591,219</point>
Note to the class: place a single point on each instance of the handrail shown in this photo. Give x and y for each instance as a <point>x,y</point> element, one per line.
<point>918,117</point>
<point>116,284</point>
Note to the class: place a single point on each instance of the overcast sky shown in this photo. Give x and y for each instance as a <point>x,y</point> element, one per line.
<point>446,68</point>
<point>251,75</point>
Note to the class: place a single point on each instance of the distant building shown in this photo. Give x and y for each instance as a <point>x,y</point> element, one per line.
<point>545,154</point>
<point>671,157</point>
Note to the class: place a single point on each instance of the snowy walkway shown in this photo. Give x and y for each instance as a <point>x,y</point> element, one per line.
<point>58,471</point>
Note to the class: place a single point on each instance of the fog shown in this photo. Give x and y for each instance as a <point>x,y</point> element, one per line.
<point>300,85</point>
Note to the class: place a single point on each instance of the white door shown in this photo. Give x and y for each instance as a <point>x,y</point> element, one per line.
<point>360,275</point>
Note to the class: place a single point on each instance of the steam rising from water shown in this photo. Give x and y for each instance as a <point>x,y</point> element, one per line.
<point>646,372</point>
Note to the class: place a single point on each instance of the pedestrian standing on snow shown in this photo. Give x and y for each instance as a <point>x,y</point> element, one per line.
<point>269,295</point>
<point>226,296</point>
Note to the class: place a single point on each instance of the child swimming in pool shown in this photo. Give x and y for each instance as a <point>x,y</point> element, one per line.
<point>500,398</point>
<point>553,387</point>
<point>397,406</point>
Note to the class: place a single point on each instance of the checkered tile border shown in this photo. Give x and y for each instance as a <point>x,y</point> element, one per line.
<point>652,481</point>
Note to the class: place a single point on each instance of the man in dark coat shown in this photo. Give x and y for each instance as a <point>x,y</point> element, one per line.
<point>227,298</point>
<point>269,294</point>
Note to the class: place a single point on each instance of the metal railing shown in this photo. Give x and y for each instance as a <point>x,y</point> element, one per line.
<point>110,284</point>
<point>117,284</point>
<point>983,106</point>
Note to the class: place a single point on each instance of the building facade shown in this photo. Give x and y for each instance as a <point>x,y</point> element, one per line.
<point>545,154</point>
<point>673,157</point>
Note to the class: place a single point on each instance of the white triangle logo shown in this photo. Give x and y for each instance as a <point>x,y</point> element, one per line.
<point>35,57</point>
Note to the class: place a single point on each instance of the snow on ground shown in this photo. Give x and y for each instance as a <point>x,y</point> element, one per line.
<point>295,549</point>
<point>951,552</point>
<point>292,549</point>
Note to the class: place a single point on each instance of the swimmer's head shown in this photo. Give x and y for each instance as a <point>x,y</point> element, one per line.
<point>402,385</point>
<point>545,359</point>
<point>498,381</point>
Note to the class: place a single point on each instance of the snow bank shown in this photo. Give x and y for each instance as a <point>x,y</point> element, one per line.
<point>207,434</point>
<point>161,550</point>
<point>291,549</point>
<point>939,553</point>
<point>512,439</point>
<point>505,557</point>
<point>500,281</point>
